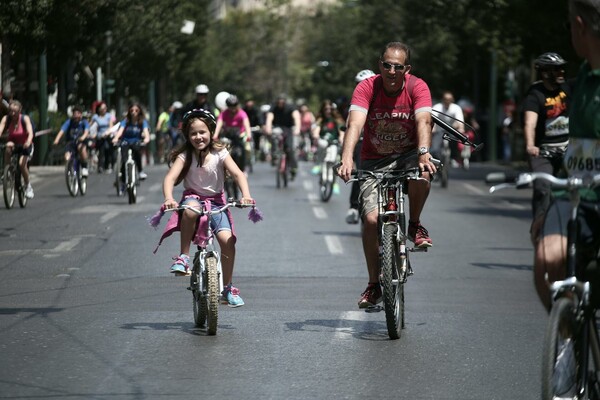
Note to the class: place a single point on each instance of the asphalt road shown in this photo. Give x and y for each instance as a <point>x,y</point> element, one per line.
<point>87,311</point>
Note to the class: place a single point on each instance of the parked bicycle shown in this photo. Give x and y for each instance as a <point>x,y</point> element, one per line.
<point>13,184</point>
<point>206,279</point>
<point>127,177</point>
<point>394,261</point>
<point>571,352</point>
<point>76,181</point>
<point>328,176</point>
<point>280,158</point>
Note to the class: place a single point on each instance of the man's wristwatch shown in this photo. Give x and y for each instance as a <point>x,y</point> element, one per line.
<point>423,150</point>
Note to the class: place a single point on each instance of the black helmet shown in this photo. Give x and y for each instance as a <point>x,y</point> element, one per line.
<point>203,114</point>
<point>548,60</point>
<point>232,100</point>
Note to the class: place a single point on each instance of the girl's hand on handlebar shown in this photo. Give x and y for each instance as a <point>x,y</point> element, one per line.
<point>247,200</point>
<point>170,203</point>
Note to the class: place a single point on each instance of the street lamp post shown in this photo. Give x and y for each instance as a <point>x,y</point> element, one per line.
<point>107,88</point>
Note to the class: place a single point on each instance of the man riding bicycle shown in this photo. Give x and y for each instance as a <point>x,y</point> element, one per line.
<point>76,130</point>
<point>286,117</point>
<point>581,157</point>
<point>394,108</point>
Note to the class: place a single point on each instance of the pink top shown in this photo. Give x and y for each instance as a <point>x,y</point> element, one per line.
<point>390,127</point>
<point>17,133</point>
<point>233,120</point>
<point>207,180</point>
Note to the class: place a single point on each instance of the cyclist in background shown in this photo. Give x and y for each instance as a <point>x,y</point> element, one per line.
<point>256,122</point>
<point>200,163</point>
<point>133,130</point>
<point>307,121</point>
<point>452,114</point>
<point>76,130</point>
<point>162,131</point>
<point>233,124</point>
<point>353,216</point>
<point>20,133</point>
<point>546,128</point>
<point>583,150</point>
<point>104,122</point>
<point>405,131</point>
<point>200,101</point>
<point>328,127</point>
<point>287,117</point>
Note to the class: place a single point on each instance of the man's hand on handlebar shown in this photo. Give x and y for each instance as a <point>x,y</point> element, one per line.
<point>425,164</point>
<point>344,170</point>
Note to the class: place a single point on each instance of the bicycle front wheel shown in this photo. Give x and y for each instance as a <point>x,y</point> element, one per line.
<point>393,288</point>
<point>212,294</point>
<point>560,363</point>
<point>198,293</point>
<point>8,186</point>
<point>118,181</point>
<point>20,189</point>
<point>326,182</point>
<point>71,178</point>
<point>131,184</point>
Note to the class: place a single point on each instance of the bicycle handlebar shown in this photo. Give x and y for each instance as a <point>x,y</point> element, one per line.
<point>525,180</point>
<point>452,133</point>
<point>202,211</point>
<point>407,173</point>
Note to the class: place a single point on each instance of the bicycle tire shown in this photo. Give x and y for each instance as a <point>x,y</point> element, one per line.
<point>445,167</point>
<point>118,161</point>
<point>8,186</point>
<point>562,325</point>
<point>83,185</point>
<point>71,178</point>
<point>393,289</point>
<point>198,294</point>
<point>326,184</point>
<point>20,189</point>
<point>131,185</point>
<point>212,295</point>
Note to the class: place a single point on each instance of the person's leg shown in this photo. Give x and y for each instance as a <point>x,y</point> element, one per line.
<point>418,191</point>
<point>227,245</point>
<point>187,225</point>
<point>549,265</point>
<point>23,159</point>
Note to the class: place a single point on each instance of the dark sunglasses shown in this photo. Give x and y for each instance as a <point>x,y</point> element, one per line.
<point>199,113</point>
<point>397,67</point>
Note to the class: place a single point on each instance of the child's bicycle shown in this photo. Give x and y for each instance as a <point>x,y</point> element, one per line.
<point>571,352</point>
<point>394,259</point>
<point>12,180</point>
<point>206,281</point>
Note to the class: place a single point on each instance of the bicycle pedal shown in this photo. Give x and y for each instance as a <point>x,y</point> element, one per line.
<point>418,249</point>
<point>373,309</point>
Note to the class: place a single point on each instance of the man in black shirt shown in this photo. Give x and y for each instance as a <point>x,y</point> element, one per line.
<point>546,127</point>
<point>287,117</point>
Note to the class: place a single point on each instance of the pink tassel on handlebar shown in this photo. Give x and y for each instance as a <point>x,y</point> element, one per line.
<point>255,215</point>
<point>155,219</point>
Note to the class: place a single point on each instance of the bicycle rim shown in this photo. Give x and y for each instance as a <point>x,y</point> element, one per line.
<point>393,289</point>
<point>560,359</point>
<point>118,173</point>
<point>83,185</point>
<point>198,294</point>
<point>131,186</point>
<point>8,186</point>
<point>71,178</point>
<point>212,278</point>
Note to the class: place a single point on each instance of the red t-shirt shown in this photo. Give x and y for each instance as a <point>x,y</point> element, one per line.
<point>390,127</point>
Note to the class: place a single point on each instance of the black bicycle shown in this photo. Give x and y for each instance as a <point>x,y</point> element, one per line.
<point>13,184</point>
<point>394,261</point>
<point>76,181</point>
<point>571,352</point>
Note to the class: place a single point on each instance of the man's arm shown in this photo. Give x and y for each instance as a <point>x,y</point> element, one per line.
<point>424,127</point>
<point>296,116</point>
<point>529,124</point>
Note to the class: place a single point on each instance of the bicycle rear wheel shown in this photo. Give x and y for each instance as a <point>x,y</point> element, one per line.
<point>212,294</point>
<point>71,177</point>
<point>326,182</point>
<point>393,288</point>
<point>8,186</point>
<point>118,181</point>
<point>199,297</point>
<point>560,359</point>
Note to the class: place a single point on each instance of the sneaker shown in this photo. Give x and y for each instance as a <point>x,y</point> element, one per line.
<point>181,265</point>
<point>143,175</point>
<point>108,171</point>
<point>371,296</point>
<point>231,296</point>
<point>564,375</point>
<point>352,216</point>
<point>29,191</point>
<point>84,172</point>
<point>419,235</point>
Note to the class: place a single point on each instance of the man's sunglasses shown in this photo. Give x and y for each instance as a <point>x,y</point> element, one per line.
<point>397,67</point>
<point>199,113</point>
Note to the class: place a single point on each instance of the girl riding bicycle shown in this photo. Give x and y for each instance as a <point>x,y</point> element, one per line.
<point>200,163</point>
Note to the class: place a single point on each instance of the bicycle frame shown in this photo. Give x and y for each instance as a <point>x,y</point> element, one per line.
<point>13,184</point>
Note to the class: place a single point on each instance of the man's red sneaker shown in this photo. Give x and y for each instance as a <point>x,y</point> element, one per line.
<point>419,235</point>
<point>371,296</point>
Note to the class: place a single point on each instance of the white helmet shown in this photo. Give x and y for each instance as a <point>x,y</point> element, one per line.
<point>177,105</point>
<point>364,74</point>
<point>202,89</point>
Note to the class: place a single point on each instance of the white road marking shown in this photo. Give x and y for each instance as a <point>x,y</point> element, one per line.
<point>474,189</point>
<point>334,244</point>
<point>320,212</point>
<point>62,247</point>
<point>313,198</point>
